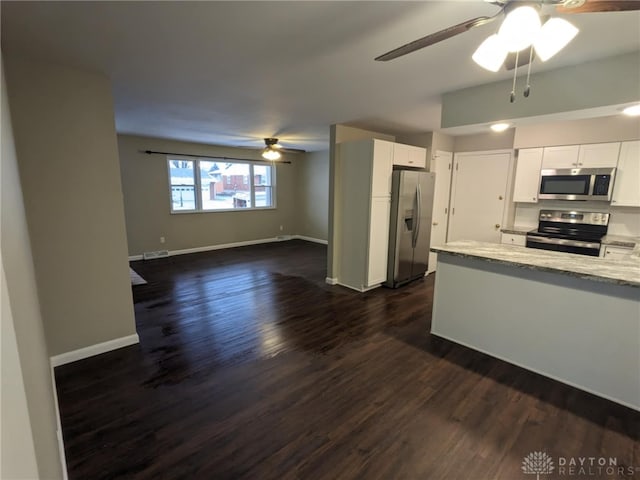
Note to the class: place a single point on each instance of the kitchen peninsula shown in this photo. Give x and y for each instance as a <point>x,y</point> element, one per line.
<point>569,317</point>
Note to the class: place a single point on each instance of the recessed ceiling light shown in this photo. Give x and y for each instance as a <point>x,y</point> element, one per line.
<point>632,111</point>
<point>500,127</point>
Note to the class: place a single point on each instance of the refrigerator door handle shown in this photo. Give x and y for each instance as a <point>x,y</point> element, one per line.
<point>416,216</point>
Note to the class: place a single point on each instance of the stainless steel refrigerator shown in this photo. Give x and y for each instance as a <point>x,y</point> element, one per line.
<point>410,226</point>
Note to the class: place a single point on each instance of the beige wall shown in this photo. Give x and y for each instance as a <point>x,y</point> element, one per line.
<point>484,141</point>
<point>28,433</point>
<point>67,156</point>
<point>312,206</point>
<point>573,132</point>
<point>147,206</point>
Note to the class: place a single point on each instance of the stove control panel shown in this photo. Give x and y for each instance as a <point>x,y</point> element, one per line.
<point>588,218</point>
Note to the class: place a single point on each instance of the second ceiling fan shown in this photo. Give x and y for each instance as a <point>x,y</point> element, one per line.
<point>496,47</point>
<point>272,149</point>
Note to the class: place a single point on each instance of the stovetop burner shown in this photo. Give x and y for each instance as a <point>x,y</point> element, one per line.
<point>571,232</point>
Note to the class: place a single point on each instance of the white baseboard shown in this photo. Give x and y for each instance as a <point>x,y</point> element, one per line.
<point>331,280</point>
<point>63,457</point>
<point>92,350</point>
<point>222,246</point>
<point>310,239</point>
<point>357,289</point>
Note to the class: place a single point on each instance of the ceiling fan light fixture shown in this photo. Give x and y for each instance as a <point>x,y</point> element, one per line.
<point>519,28</point>
<point>271,153</point>
<point>632,111</point>
<point>491,53</point>
<point>500,127</point>
<point>554,35</point>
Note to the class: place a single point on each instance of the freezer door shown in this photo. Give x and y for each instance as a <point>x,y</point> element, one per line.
<point>424,216</point>
<point>403,206</point>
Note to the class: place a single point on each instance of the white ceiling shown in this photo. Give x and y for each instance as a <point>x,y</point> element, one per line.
<point>231,73</point>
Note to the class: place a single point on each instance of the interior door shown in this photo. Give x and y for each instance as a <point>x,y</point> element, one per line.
<point>478,196</point>
<point>441,164</point>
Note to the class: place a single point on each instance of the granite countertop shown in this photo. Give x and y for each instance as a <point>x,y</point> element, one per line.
<point>620,241</point>
<point>517,230</point>
<point>620,272</point>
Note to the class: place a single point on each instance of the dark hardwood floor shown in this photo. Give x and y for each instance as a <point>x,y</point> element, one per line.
<point>250,367</point>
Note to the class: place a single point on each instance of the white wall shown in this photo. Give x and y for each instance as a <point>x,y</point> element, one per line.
<point>29,442</point>
<point>64,129</point>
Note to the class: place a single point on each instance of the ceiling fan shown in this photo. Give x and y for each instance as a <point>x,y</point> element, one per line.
<point>507,7</point>
<point>272,149</point>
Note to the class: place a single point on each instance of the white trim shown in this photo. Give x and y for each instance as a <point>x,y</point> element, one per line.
<point>310,239</point>
<point>331,280</point>
<point>92,350</point>
<point>358,289</point>
<point>483,152</point>
<point>63,458</point>
<point>222,246</point>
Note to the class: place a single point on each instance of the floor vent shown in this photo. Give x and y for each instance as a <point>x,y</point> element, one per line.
<point>156,254</point>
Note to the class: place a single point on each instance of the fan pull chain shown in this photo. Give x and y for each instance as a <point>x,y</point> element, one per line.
<point>527,89</point>
<point>512,97</point>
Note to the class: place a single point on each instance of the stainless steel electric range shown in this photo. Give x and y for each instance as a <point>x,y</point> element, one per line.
<point>569,231</point>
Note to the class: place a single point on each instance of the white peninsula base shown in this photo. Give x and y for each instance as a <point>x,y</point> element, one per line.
<point>579,331</point>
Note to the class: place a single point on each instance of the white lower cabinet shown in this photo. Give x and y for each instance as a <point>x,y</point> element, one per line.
<point>614,253</point>
<point>514,239</point>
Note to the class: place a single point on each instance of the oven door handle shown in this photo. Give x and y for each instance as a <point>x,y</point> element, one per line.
<point>562,241</point>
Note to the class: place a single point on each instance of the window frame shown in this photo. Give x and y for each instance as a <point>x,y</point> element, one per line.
<point>198,184</point>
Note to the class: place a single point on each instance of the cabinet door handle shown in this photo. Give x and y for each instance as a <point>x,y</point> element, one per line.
<point>434,223</point>
<point>497,225</point>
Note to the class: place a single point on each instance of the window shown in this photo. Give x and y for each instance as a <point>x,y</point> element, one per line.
<point>213,185</point>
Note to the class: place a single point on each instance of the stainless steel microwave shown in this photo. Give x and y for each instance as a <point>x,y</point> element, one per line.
<point>577,184</point>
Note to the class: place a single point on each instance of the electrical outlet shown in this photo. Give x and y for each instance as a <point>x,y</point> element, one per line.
<point>281,228</point>
<point>161,239</point>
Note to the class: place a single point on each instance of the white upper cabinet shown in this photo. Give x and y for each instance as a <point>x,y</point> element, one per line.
<point>560,157</point>
<point>382,168</point>
<point>598,155</point>
<point>409,156</point>
<point>527,175</point>
<point>626,186</point>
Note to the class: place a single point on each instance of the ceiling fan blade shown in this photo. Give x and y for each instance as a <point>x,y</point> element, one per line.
<point>594,6</point>
<point>436,37</point>
<point>292,150</point>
